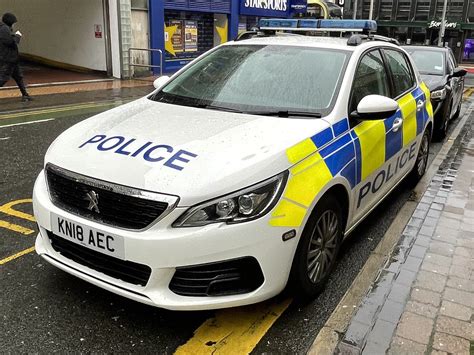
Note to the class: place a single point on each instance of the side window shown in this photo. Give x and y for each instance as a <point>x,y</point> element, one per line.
<point>403,79</point>
<point>370,79</point>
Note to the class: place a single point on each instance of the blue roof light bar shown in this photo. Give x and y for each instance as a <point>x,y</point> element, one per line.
<point>319,25</point>
<point>280,23</point>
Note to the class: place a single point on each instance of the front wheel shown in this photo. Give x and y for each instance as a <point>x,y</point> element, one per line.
<point>421,159</point>
<point>317,250</point>
<point>441,129</point>
<point>458,111</point>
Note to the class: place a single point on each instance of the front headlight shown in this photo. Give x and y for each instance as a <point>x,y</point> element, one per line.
<point>438,94</point>
<point>241,206</point>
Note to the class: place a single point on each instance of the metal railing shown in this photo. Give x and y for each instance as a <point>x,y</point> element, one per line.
<point>130,64</point>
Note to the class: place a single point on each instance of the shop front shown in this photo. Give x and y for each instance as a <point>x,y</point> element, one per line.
<point>184,29</point>
<point>458,36</point>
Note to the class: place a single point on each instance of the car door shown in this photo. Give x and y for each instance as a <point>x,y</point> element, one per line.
<point>412,101</point>
<point>457,84</point>
<point>376,142</point>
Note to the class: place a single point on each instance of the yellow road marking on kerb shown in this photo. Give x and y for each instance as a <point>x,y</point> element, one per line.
<point>234,330</point>
<point>17,255</point>
<point>8,209</point>
<point>468,92</point>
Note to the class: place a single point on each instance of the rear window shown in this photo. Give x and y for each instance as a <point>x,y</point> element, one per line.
<point>428,62</point>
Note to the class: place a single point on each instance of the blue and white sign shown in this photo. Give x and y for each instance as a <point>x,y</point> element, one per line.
<point>265,8</point>
<point>298,6</point>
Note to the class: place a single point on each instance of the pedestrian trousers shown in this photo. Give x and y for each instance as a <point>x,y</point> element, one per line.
<point>12,70</point>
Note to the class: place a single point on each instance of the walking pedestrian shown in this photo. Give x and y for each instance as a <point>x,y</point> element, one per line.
<point>9,57</point>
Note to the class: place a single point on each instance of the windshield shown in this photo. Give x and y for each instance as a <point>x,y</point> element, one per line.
<point>260,79</point>
<point>428,62</point>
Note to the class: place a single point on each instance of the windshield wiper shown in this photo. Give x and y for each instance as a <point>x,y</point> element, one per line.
<point>219,108</point>
<point>286,113</point>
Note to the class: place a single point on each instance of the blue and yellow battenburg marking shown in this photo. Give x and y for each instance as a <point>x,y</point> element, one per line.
<point>354,155</point>
<point>315,164</point>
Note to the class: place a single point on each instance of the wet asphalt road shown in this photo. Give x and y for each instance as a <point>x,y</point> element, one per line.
<point>44,309</point>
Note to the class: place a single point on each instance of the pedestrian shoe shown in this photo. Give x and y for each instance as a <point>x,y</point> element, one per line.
<point>26,98</point>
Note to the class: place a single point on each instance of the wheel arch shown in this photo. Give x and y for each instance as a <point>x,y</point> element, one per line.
<point>340,192</point>
<point>429,127</point>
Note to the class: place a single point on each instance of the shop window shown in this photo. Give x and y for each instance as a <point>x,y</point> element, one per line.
<point>247,23</point>
<point>418,36</point>
<point>468,50</point>
<point>187,35</point>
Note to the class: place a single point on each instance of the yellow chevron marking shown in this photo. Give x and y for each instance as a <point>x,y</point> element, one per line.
<point>304,186</point>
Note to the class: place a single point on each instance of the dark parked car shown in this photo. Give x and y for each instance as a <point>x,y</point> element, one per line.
<point>444,78</point>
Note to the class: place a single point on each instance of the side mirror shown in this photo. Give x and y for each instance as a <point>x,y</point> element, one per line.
<point>162,80</point>
<point>375,107</point>
<point>458,72</point>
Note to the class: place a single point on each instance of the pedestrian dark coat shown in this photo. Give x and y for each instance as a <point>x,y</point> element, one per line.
<point>8,42</point>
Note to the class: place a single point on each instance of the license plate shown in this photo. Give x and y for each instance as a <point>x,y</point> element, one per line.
<point>88,237</point>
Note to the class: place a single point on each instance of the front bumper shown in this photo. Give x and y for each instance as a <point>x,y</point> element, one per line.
<point>164,249</point>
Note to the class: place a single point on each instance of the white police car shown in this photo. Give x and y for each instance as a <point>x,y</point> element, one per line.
<point>240,174</point>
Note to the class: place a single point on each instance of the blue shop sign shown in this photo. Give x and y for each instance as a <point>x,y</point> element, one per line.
<point>265,8</point>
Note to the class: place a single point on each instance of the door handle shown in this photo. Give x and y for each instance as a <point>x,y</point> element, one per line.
<point>419,105</point>
<point>397,123</point>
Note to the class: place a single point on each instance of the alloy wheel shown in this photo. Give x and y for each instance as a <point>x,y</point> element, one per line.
<point>322,248</point>
<point>423,155</point>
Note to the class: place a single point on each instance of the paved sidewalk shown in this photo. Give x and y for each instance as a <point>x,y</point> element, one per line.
<point>422,301</point>
<point>59,95</point>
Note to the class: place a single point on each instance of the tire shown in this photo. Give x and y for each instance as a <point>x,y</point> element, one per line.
<point>458,111</point>
<point>421,159</point>
<point>309,274</point>
<point>441,129</point>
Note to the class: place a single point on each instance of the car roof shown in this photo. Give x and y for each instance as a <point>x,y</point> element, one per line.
<point>428,48</point>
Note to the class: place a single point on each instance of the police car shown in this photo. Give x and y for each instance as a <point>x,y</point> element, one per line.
<point>239,175</point>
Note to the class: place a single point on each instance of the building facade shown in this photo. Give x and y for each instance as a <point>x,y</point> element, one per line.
<point>184,29</point>
<point>418,22</point>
